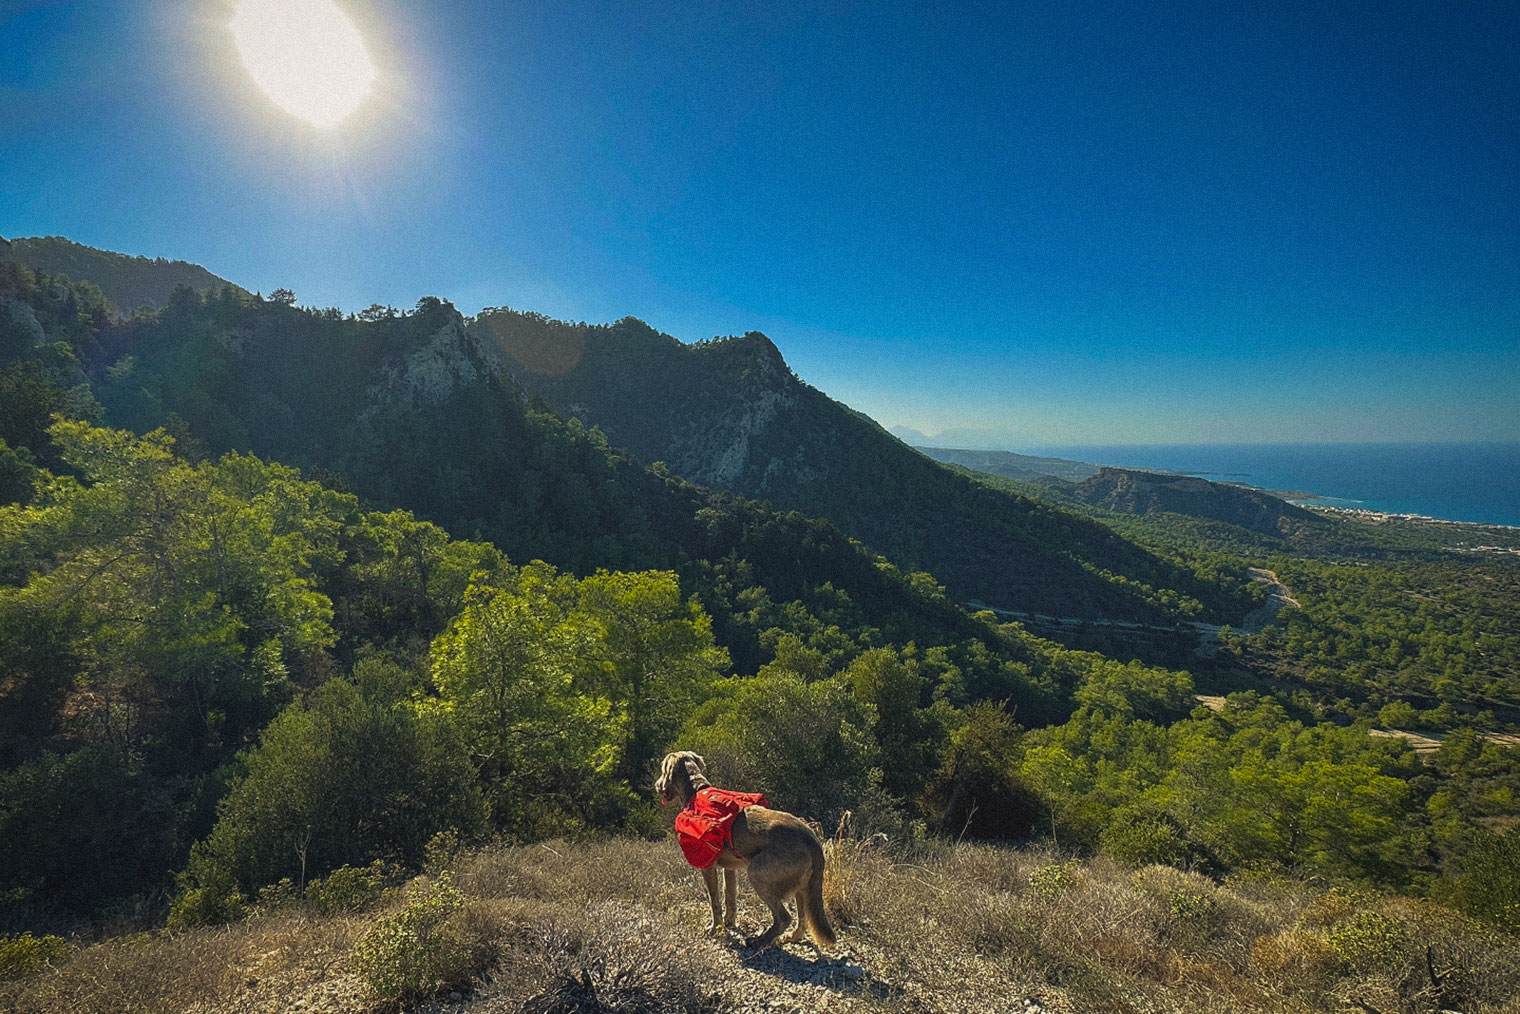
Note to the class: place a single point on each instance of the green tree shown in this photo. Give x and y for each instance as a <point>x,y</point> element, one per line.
<point>650,654</point>
<point>344,781</point>
<point>505,672</point>
<point>891,688</point>
<point>806,745</point>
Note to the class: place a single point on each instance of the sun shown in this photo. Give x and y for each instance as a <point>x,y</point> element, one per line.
<point>306,55</point>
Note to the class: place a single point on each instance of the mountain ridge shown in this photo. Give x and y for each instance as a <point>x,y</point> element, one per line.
<point>129,282</point>
<point>729,412</point>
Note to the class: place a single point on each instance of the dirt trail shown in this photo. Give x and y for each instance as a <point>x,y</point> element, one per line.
<point>1278,598</point>
<point>1254,622</point>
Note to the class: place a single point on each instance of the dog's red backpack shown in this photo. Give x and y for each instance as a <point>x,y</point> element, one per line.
<point>705,824</point>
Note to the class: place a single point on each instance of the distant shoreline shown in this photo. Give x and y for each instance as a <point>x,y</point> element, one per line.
<point>1316,502</point>
<point>1367,514</point>
<point>1452,484</point>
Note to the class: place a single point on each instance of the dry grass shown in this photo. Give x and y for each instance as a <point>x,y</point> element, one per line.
<point>616,926</point>
<point>280,956</point>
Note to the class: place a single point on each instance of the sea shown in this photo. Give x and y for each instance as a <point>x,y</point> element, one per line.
<point>1454,481</point>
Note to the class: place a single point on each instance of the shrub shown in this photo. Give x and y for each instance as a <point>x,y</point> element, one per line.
<point>348,888</point>
<point>78,829</point>
<point>1369,941</point>
<point>25,954</point>
<point>338,783</point>
<point>1142,842</point>
<point>1050,882</point>
<point>1488,884</point>
<point>807,746</point>
<point>441,852</point>
<point>281,894</point>
<point>1329,908</point>
<point>425,947</point>
<point>1191,905</point>
<point>213,902</point>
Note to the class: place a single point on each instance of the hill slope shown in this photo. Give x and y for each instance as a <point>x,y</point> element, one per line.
<point>1127,491</point>
<point>128,282</point>
<point>408,410</point>
<point>616,926</point>
<point>730,413</point>
<point>1010,465</point>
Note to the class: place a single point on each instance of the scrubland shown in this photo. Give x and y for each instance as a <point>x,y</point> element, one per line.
<point>616,925</point>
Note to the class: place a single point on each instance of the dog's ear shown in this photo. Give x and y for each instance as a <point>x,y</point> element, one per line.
<point>701,764</point>
<point>667,769</point>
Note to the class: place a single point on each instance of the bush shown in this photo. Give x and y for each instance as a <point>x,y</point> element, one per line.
<point>807,746</point>
<point>213,902</point>
<point>280,894</point>
<point>1369,941</point>
<point>1488,884</point>
<point>425,947</point>
<point>349,888</point>
<point>1142,842</point>
<point>441,853</point>
<point>1050,882</point>
<point>1296,954</point>
<point>82,828</point>
<point>1329,908</point>
<point>25,954</point>
<point>1191,905</point>
<point>338,784</point>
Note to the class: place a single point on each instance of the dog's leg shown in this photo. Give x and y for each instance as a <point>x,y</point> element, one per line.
<point>710,880</point>
<point>799,933</point>
<point>775,881</point>
<point>730,897</point>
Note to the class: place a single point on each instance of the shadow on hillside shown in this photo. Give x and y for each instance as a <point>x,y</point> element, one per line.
<point>814,969</point>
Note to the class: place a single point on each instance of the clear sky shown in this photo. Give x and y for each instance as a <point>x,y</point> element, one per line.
<point>1030,223</point>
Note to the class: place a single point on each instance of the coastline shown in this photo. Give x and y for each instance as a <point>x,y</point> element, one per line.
<point>1378,517</point>
<point>1470,529</point>
<point>1476,483</point>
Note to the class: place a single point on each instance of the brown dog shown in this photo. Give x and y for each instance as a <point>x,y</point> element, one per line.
<point>783,856</point>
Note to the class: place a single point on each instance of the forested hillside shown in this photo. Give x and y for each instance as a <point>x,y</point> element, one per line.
<point>1410,622</point>
<point>730,414</point>
<point>163,602</point>
<point>130,283</point>
<point>224,682</point>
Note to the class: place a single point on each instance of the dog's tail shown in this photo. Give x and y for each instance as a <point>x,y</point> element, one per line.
<point>813,914</point>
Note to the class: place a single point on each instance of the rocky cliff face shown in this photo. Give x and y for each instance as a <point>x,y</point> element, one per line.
<point>430,375</point>
<point>728,413</point>
<point>741,440</point>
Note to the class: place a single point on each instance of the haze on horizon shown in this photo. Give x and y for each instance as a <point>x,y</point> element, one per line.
<point>1048,224</point>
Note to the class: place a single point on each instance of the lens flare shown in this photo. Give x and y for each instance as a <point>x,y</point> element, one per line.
<point>306,55</point>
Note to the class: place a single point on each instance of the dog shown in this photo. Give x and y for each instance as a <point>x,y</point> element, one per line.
<point>727,830</point>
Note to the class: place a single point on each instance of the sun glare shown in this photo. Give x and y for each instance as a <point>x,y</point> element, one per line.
<point>306,55</point>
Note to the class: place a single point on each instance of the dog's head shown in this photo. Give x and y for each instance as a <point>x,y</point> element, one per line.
<point>676,773</point>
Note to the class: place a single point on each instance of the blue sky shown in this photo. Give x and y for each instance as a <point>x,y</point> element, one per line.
<point>1028,223</point>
